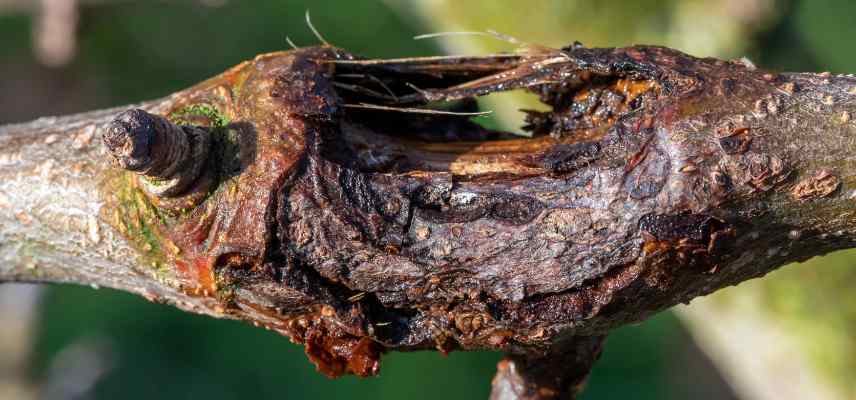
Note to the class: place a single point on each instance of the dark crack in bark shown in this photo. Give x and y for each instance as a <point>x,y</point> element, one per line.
<point>346,210</point>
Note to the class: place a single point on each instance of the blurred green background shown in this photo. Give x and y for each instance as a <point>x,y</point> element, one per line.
<point>102,344</point>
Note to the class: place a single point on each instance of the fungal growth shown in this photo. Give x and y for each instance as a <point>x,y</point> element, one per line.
<point>358,207</point>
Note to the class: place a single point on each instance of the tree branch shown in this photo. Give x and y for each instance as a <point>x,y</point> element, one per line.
<point>315,193</point>
<point>51,225</point>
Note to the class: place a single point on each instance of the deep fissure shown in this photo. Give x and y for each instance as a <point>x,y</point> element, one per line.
<point>404,140</point>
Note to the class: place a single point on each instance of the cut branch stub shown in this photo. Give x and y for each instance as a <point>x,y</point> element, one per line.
<point>170,157</point>
<point>129,138</point>
<point>559,374</point>
<point>342,212</point>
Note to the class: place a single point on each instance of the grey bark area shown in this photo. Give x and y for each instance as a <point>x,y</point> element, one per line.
<point>335,206</point>
<point>51,230</point>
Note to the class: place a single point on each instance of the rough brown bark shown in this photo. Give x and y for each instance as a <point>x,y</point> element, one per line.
<point>560,373</point>
<point>335,210</point>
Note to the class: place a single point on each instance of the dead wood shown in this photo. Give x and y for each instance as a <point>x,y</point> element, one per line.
<point>353,206</point>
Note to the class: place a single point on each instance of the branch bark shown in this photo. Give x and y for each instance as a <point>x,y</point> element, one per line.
<point>335,208</point>
<point>51,225</point>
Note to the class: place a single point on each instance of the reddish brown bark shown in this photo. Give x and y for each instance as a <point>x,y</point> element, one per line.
<point>334,212</point>
<point>560,373</point>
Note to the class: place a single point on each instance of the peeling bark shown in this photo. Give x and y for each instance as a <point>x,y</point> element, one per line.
<point>337,208</point>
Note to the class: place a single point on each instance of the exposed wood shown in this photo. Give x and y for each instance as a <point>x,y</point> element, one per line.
<point>655,178</point>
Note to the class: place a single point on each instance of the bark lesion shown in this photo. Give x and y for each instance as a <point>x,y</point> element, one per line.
<point>403,134</point>
<point>355,214</point>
